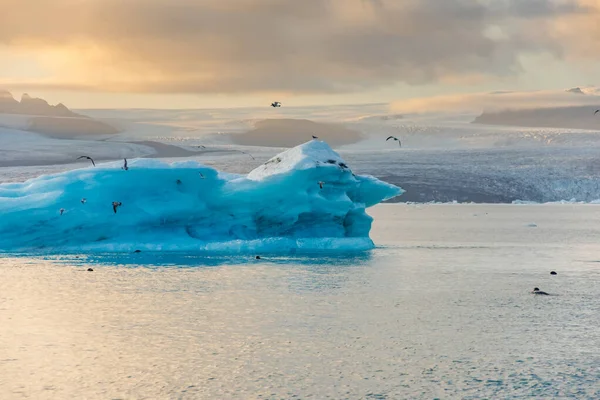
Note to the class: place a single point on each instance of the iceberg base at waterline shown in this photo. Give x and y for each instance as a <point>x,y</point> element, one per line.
<point>304,198</point>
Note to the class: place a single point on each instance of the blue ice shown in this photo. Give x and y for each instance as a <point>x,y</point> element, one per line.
<point>187,206</point>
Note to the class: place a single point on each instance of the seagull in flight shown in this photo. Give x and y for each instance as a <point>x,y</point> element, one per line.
<point>83,200</point>
<point>244,153</point>
<point>395,138</point>
<point>276,104</point>
<point>62,210</point>
<point>597,111</point>
<point>202,176</point>
<point>315,137</point>
<point>321,183</point>
<point>115,205</point>
<point>89,158</point>
<point>125,167</point>
<point>201,146</point>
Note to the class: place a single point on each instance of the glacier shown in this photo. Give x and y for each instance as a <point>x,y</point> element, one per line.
<point>188,206</point>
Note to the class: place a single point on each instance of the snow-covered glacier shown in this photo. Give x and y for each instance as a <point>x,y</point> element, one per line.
<point>304,198</point>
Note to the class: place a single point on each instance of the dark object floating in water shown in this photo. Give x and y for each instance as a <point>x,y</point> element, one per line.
<point>137,251</point>
<point>553,273</point>
<point>538,291</point>
<point>90,269</point>
<point>258,257</point>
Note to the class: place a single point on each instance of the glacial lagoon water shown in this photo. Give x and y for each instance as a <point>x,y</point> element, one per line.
<point>440,309</point>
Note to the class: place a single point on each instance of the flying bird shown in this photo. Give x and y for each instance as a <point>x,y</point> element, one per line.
<point>202,176</point>
<point>125,166</point>
<point>62,210</point>
<point>115,205</point>
<point>276,104</point>
<point>244,153</point>
<point>83,200</point>
<point>201,146</point>
<point>597,111</point>
<point>321,183</point>
<point>395,138</point>
<point>89,158</point>
<point>315,137</point>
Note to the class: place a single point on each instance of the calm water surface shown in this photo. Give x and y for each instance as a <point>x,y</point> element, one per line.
<point>441,309</point>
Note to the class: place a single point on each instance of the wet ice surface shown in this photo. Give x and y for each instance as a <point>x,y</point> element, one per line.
<point>441,309</point>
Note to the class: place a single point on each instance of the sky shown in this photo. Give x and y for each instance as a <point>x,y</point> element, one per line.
<point>234,53</point>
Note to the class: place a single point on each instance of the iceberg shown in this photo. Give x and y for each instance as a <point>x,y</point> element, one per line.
<point>306,198</point>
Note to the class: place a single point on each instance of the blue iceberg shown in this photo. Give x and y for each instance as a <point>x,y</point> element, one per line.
<point>305,198</point>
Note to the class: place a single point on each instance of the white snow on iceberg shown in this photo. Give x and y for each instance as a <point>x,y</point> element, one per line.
<point>279,206</point>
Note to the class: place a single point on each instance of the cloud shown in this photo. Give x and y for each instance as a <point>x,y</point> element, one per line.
<point>498,101</point>
<point>308,46</point>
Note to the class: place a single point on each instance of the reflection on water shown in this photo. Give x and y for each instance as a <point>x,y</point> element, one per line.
<point>187,260</point>
<point>441,310</point>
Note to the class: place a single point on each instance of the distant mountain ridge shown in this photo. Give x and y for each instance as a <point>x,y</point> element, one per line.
<point>54,121</point>
<point>33,106</point>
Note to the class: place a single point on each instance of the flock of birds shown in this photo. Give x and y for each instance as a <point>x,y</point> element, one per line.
<point>117,204</point>
<point>275,104</point>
